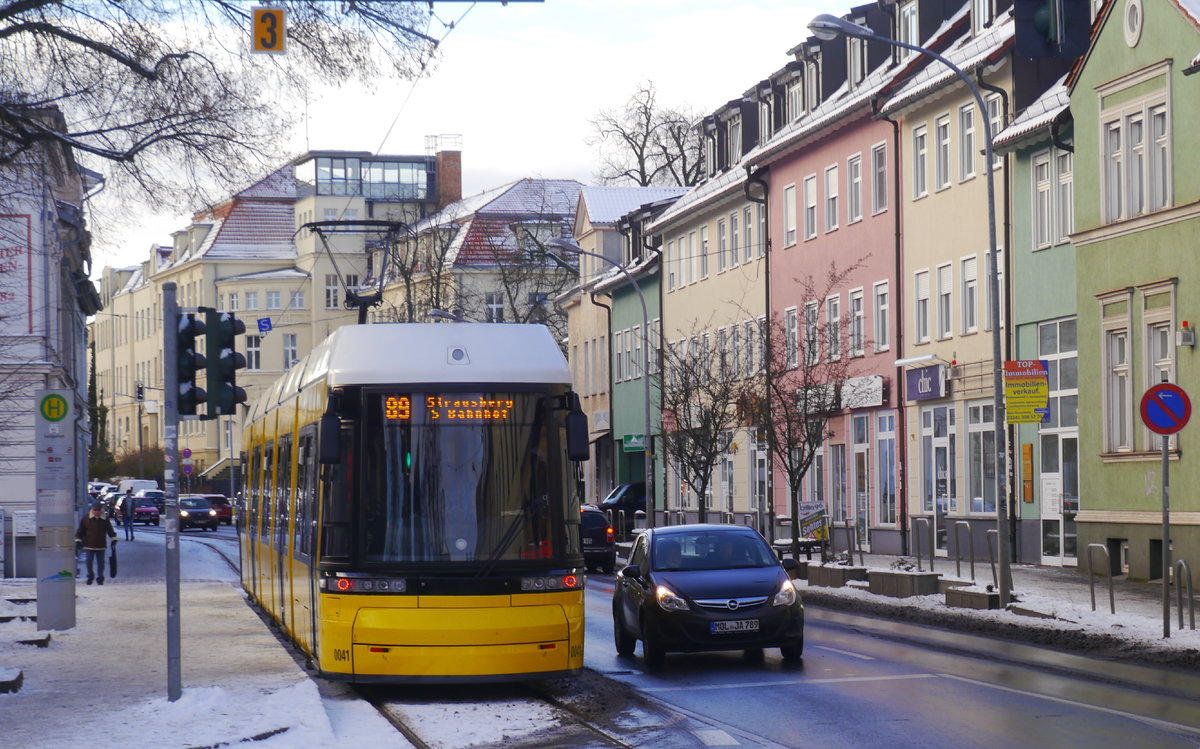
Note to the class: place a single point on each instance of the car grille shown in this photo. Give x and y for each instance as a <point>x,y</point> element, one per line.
<point>731,604</point>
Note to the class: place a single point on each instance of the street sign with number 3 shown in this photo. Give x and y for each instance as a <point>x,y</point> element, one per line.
<point>267,30</point>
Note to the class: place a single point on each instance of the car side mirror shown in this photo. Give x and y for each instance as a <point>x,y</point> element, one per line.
<point>791,565</point>
<point>633,571</point>
<point>331,443</point>
<point>578,448</point>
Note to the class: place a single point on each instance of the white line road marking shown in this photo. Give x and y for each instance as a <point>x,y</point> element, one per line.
<point>845,652</point>
<point>716,737</point>
<point>794,682</point>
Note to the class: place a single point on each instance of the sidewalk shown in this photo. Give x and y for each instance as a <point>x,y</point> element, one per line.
<point>104,683</point>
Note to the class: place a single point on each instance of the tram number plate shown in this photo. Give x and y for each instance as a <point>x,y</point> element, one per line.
<point>735,625</point>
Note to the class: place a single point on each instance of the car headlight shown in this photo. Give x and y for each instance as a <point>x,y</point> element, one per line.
<point>213,513</point>
<point>183,513</point>
<point>786,595</point>
<point>669,600</point>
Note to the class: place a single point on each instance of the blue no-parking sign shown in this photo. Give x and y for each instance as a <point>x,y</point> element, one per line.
<point>1166,408</point>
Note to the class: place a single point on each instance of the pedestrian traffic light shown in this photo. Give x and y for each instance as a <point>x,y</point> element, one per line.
<point>223,363</point>
<point>141,392</point>
<point>190,362</point>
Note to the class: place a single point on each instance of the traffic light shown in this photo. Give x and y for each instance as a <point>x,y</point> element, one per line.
<point>223,363</point>
<point>190,361</point>
<point>141,392</point>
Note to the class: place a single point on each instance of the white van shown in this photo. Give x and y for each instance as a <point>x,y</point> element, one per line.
<point>136,484</point>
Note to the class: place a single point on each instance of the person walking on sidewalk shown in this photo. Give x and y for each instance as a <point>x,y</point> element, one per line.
<point>91,535</point>
<point>127,514</point>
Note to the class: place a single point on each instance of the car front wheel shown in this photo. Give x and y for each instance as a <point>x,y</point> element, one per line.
<point>652,649</point>
<point>792,653</point>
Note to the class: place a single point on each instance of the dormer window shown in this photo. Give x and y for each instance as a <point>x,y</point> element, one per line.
<point>981,15</point>
<point>812,84</point>
<point>764,120</point>
<point>857,61</point>
<point>735,138</point>
<point>710,153</point>
<point>795,99</point>
<point>909,31</point>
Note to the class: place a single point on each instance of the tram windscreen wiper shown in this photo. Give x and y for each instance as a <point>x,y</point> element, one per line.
<point>534,500</point>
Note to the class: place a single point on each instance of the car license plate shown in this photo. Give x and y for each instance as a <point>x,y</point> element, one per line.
<point>587,540</point>
<point>735,625</point>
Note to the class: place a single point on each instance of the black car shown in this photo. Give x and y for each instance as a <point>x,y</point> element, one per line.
<point>692,588</point>
<point>597,540</point>
<point>197,512</point>
<point>622,504</point>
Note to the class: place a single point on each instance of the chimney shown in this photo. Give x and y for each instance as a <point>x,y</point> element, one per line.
<point>449,178</point>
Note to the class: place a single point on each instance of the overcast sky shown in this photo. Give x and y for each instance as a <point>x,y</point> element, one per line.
<point>519,83</point>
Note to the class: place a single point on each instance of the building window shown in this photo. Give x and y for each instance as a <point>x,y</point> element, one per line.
<point>885,479</point>
<point>735,139</point>
<point>920,154</point>
<point>233,301</point>
<point>1118,385</point>
<point>858,61</point>
<point>854,188</point>
<point>981,14</point>
<point>493,306</point>
<point>272,300</point>
<point>747,235</point>
<point>761,220</point>
<point>691,257</point>
<point>789,215</point>
<point>253,352</point>
<point>735,351</point>
<point>837,482</point>
<point>722,247</point>
<point>921,320</point>
<point>833,327</point>
<point>995,115</point>
<point>908,28</point>
<point>251,300</point>
<point>1042,196</point>
<point>290,352</point>
<point>733,239</point>
<point>764,121</point>
<point>790,340</point>
<point>981,456</point>
<point>704,251</point>
<point>297,300</point>
<point>942,154</point>
<point>879,175</point>
<point>1158,306</point>
<point>966,142</point>
<point>882,321</point>
<point>1137,167</point>
<point>812,339</point>
<point>1065,203</point>
<point>1053,212</point>
<point>671,261</point>
<point>987,324</point>
<point>332,291</point>
<point>794,91</point>
<point>831,198</point>
<point>1057,345</point>
<point>857,323</point>
<point>970,283</point>
<point>810,206</point>
<point>945,306</point>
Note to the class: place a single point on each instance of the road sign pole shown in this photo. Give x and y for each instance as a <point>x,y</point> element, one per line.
<point>170,478</point>
<point>1166,542</point>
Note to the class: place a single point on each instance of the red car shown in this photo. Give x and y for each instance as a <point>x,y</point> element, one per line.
<point>224,509</point>
<point>145,511</point>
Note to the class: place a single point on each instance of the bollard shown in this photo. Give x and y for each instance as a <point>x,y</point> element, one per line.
<point>1181,567</point>
<point>993,534</point>
<point>959,525</point>
<point>917,544</point>
<point>1112,602</point>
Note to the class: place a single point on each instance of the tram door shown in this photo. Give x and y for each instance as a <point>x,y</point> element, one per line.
<point>283,486</point>
<point>266,529</point>
<point>249,514</point>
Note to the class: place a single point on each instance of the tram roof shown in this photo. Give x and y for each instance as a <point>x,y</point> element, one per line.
<point>438,352</point>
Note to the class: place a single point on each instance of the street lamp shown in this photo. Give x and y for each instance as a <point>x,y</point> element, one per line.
<point>567,245</point>
<point>828,27</point>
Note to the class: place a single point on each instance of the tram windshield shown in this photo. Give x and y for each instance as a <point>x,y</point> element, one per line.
<point>463,477</point>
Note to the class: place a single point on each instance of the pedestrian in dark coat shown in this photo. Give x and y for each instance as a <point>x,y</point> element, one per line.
<point>94,533</point>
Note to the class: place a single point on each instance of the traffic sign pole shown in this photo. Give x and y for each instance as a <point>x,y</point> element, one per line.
<point>1165,410</point>
<point>171,498</point>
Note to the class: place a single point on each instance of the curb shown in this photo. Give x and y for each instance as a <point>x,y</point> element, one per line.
<point>13,685</point>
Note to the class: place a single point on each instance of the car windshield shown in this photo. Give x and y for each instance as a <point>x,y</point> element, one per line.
<point>195,503</point>
<point>146,503</point>
<point>710,550</point>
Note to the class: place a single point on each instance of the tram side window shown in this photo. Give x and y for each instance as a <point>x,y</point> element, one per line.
<point>283,492</point>
<point>254,494</point>
<point>267,492</point>
<point>305,466</point>
<point>335,503</point>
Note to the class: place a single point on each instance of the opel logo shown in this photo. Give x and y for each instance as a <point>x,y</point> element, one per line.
<point>732,604</point>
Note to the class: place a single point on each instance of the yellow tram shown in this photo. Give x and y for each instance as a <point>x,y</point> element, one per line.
<point>409,507</point>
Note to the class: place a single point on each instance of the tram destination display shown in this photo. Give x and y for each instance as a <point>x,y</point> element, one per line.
<point>450,407</point>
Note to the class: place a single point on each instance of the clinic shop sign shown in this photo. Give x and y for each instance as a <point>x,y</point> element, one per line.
<point>925,383</point>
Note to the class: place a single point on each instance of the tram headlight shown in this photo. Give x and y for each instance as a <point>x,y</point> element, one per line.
<point>342,583</point>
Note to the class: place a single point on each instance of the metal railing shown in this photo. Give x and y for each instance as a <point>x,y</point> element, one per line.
<point>1181,567</point>
<point>1112,601</point>
<point>993,534</point>
<point>917,544</point>
<point>959,525</point>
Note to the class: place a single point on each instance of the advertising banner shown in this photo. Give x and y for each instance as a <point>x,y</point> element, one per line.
<point>1026,391</point>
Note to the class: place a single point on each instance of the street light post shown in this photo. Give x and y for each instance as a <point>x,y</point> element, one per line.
<point>567,245</point>
<point>827,27</point>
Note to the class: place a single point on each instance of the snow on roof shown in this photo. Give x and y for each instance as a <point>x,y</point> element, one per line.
<point>967,53</point>
<point>254,229</point>
<point>287,274</point>
<point>701,195</point>
<point>606,205</point>
<point>1040,113</point>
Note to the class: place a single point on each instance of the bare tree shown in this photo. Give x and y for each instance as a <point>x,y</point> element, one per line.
<point>646,144</point>
<point>166,93</point>
<point>701,403</point>
<point>807,365</point>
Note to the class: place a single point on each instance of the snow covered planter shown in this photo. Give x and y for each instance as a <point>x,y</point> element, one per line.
<point>902,584</point>
<point>834,575</point>
<point>972,598</point>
